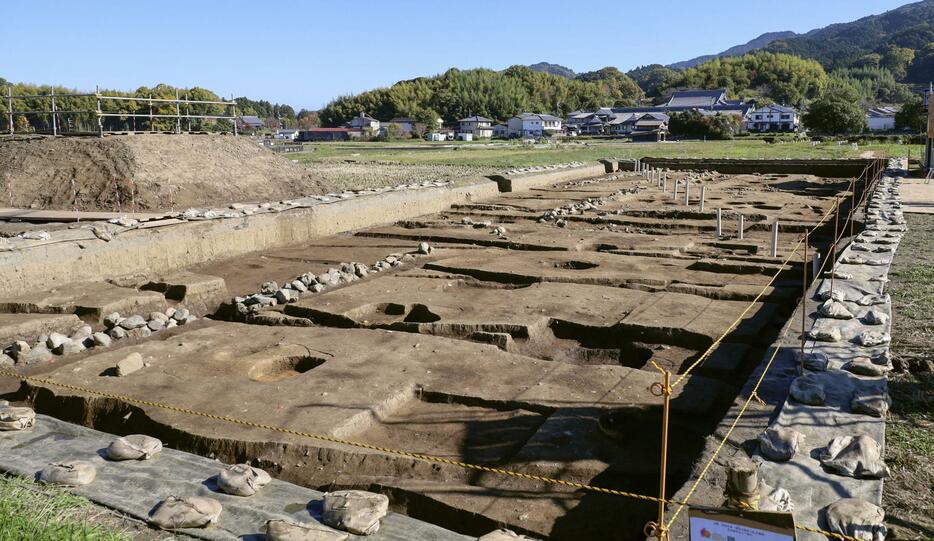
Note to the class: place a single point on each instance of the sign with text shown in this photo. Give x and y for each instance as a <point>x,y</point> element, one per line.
<point>708,524</point>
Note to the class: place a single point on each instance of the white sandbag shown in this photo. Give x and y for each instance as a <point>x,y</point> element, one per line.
<point>834,310</point>
<point>873,338</point>
<point>504,535</point>
<point>814,361</point>
<point>70,473</point>
<point>863,366</point>
<point>286,530</point>
<point>242,480</point>
<point>825,333</point>
<point>855,456</point>
<point>779,443</point>
<point>354,511</point>
<point>16,417</point>
<point>191,512</point>
<point>876,317</point>
<point>856,518</point>
<point>134,447</point>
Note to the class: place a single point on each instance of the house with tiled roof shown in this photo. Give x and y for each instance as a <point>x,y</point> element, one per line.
<point>773,118</point>
<point>479,127</point>
<point>533,125</point>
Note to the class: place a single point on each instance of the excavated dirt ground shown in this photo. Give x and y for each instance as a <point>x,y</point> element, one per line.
<point>151,171</point>
<point>500,348</point>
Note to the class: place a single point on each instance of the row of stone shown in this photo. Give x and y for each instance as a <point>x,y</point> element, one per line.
<point>271,294</point>
<point>537,168</point>
<point>116,328</point>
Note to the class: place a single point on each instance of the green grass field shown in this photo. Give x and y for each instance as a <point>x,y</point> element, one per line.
<point>506,155</point>
<point>40,513</point>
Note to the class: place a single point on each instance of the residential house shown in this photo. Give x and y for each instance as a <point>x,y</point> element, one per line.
<point>714,101</point>
<point>368,126</point>
<point>251,123</point>
<point>533,125</point>
<point>327,134</point>
<point>287,135</point>
<point>500,131</point>
<point>773,118</point>
<point>881,118</point>
<point>407,126</point>
<point>479,127</point>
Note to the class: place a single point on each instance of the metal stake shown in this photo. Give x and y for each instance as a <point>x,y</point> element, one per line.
<point>658,529</point>
<point>815,263</point>
<point>804,303</point>
<point>775,240</point>
<point>833,248</point>
<point>852,207</point>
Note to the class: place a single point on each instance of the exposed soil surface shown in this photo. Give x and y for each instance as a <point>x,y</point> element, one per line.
<point>153,171</point>
<point>506,345</point>
<point>908,498</point>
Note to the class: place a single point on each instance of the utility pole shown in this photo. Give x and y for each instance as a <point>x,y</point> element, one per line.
<point>929,140</point>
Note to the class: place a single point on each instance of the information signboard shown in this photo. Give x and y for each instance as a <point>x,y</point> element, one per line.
<point>709,524</point>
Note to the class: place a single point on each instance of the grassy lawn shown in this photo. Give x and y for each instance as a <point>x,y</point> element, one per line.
<point>506,154</point>
<point>40,513</point>
<point>908,497</point>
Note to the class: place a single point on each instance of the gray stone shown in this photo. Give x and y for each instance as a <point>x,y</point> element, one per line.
<point>172,323</point>
<point>70,347</point>
<point>133,322</point>
<point>298,285</point>
<point>871,403</point>
<point>807,390</point>
<point>170,311</point>
<point>158,316</point>
<point>129,364</point>
<point>112,319</point>
<point>317,288</point>
<point>181,314</point>
<point>18,349</point>
<point>286,295</point>
<point>156,325</point>
<point>6,361</point>
<point>269,288</point>
<point>424,248</point>
<point>56,340</point>
<point>308,279</point>
<point>101,339</point>
<point>117,333</point>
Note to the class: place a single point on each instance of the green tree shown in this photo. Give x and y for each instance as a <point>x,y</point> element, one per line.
<point>897,60</point>
<point>693,123</point>
<point>922,69</point>
<point>833,114</point>
<point>913,116</point>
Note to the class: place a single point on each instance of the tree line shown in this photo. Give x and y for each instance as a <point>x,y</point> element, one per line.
<point>497,95</point>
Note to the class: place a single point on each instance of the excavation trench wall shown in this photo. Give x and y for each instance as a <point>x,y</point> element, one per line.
<point>820,168</point>
<point>148,252</point>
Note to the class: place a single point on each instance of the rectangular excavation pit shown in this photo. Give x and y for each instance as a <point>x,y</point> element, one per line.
<point>459,428</point>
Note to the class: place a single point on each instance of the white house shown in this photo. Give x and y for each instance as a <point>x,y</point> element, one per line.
<point>773,117</point>
<point>881,118</point>
<point>288,135</point>
<point>364,124</point>
<point>533,125</point>
<point>479,127</point>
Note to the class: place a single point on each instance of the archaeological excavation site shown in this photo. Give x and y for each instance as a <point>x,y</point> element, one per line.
<point>556,351</point>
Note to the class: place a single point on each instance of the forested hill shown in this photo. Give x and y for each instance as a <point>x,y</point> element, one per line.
<point>900,40</point>
<point>554,69</point>
<point>736,50</point>
<point>497,95</point>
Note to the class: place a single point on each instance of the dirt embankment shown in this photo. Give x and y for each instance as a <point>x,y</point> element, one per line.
<point>153,171</point>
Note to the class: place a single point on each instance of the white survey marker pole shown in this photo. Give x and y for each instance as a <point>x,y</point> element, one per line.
<point>775,239</point>
<point>719,223</point>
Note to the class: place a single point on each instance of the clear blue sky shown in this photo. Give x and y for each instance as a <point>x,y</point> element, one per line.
<point>305,53</point>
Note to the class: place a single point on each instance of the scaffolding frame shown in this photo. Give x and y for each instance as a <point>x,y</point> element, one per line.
<point>55,114</point>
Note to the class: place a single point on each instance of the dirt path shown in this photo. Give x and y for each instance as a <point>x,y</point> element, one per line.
<point>908,499</point>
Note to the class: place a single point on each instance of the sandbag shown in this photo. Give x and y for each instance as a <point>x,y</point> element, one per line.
<point>876,317</point>
<point>286,530</point>
<point>863,366</point>
<point>354,511</point>
<point>779,443</point>
<point>15,417</point>
<point>855,456</point>
<point>242,480</point>
<point>191,512</point>
<point>70,473</point>
<point>872,338</point>
<point>856,518</point>
<point>814,361</point>
<point>870,403</point>
<point>834,310</point>
<point>504,535</point>
<point>807,390</point>
<point>135,447</point>
<point>825,333</point>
